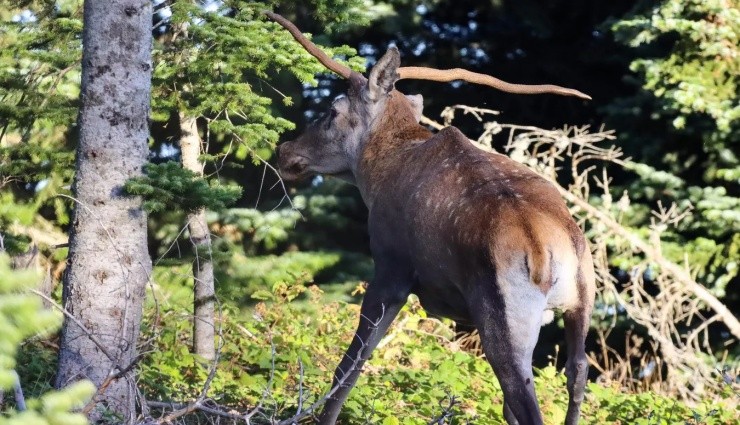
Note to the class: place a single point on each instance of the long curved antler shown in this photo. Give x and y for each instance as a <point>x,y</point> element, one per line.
<point>424,73</point>
<point>447,75</point>
<point>311,48</point>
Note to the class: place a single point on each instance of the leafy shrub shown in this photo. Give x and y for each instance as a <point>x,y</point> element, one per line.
<point>254,277</point>
<point>21,316</point>
<point>417,367</point>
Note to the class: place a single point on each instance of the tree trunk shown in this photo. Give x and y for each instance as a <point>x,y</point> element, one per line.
<point>204,293</point>
<point>108,264</point>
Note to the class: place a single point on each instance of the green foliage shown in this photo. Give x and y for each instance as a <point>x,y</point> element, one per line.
<point>310,223</point>
<point>169,186</point>
<point>699,76</point>
<point>328,205</point>
<point>340,13</point>
<point>218,64</point>
<point>211,63</point>
<point>683,127</point>
<point>687,60</point>
<point>265,229</point>
<point>39,87</point>
<point>19,316</point>
<point>614,406</point>
<point>415,370</point>
<point>329,209</point>
<point>208,63</point>
<point>22,316</point>
<point>709,236</point>
<point>34,162</point>
<point>38,66</point>
<point>255,277</point>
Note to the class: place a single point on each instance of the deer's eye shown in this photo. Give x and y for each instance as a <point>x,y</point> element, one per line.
<point>330,118</point>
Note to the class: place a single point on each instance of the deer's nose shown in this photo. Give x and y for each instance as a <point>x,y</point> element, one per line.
<point>277,150</point>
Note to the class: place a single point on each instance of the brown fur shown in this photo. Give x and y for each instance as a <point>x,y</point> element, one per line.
<point>478,237</point>
<point>395,131</point>
<point>504,218</point>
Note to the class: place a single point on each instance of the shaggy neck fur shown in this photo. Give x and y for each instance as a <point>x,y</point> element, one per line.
<point>381,156</point>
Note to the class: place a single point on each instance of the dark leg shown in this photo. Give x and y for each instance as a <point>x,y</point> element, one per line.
<point>509,415</point>
<point>509,326</point>
<point>379,307</point>
<point>577,322</point>
<point>576,367</point>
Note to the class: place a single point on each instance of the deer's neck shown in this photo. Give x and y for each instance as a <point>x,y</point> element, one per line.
<point>383,155</point>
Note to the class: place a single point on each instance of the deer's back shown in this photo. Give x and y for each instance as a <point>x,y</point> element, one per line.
<point>455,210</point>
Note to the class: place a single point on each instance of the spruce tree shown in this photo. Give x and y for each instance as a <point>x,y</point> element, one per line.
<point>108,266</point>
<point>684,126</point>
<point>40,54</point>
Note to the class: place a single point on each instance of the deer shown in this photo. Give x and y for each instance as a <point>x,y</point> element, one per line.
<point>476,236</point>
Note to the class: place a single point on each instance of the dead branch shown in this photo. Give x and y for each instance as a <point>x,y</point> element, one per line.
<point>448,411</point>
<point>680,273</point>
<point>20,401</point>
<point>71,317</point>
<point>681,299</point>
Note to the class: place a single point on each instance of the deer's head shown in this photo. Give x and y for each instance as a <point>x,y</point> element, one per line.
<point>333,143</point>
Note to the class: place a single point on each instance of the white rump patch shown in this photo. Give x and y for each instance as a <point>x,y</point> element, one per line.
<point>547,317</point>
<point>524,304</point>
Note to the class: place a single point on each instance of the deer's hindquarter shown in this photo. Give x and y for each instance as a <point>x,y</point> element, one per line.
<point>458,213</point>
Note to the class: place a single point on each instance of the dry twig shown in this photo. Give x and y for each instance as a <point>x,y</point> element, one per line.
<point>681,302</point>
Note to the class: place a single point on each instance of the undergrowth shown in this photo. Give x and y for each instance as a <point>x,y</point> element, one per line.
<point>288,343</point>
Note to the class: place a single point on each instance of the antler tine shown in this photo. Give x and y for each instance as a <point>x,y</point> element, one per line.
<point>309,46</point>
<point>447,75</point>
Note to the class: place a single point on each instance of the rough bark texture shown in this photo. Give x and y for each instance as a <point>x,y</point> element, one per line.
<point>108,264</point>
<point>204,293</point>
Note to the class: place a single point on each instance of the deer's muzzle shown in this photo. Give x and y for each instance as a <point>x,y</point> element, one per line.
<point>292,167</point>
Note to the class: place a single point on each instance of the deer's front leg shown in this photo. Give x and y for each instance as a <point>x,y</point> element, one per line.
<point>383,300</point>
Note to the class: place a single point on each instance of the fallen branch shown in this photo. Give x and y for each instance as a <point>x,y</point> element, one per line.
<point>674,269</point>
<point>653,254</point>
<point>448,411</point>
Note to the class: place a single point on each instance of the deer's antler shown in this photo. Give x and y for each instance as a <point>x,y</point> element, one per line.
<point>311,48</point>
<point>446,75</point>
<point>424,73</point>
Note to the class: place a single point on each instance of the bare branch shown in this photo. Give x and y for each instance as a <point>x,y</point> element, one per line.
<point>680,299</point>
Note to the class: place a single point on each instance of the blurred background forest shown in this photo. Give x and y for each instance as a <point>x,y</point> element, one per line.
<point>664,201</point>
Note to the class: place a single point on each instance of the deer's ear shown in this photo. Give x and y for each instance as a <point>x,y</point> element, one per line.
<point>384,75</point>
<point>417,102</point>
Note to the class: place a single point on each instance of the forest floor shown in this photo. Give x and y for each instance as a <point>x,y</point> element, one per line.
<point>279,352</point>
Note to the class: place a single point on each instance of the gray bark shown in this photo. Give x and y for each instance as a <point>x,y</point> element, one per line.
<point>108,264</point>
<point>200,236</point>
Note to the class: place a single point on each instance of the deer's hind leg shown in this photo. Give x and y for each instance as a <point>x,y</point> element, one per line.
<point>508,318</point>
<point>577,321</point>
